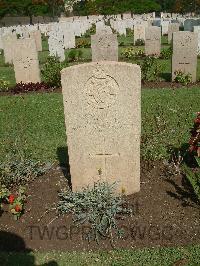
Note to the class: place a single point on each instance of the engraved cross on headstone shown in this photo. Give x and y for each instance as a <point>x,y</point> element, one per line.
<point>104,155</point>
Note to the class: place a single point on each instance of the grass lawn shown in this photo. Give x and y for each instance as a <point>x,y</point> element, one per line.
<point>189,256</point>
<point>36,122</point>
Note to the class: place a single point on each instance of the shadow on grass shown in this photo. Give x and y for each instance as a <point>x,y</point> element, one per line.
<point>166,76</point>
<point>63,157</point>
<point>13,251</point>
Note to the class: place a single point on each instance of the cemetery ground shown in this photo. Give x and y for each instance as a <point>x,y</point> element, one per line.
<point>125,43</point>
<point>165,209</point>
<point>164,228</point>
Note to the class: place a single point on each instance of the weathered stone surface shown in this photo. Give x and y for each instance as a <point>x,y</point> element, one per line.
<point>26,64</point>
<point>139,33</point>
<point>152,40</point>
<point>9,42</point>
<point>197,30</point>
<point>38,39</point>
<point>103,120</point>
<point>173,27</point>
<point>104,47</point>
<point>184,53</point>
<point>165,27</point>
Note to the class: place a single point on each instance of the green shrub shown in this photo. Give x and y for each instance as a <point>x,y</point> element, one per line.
<point>131,53</point>
<point>183,78</point>
<point>83,43</point>
<point>18,169</point>
<point>4,85</point>
<point>129,32</point>
<point>151,69</point>
<point>51,71</point>
<point>139,42</point>
<point>90,31</point>
<point>97,207</point>
<point>166,53</point>
<point>75,55</point>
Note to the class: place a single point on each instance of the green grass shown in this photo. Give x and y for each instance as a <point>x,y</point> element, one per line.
<point>37,120</point>
<point>144,257</point>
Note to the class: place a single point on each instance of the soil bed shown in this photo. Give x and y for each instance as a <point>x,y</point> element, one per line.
<point>165,214</point>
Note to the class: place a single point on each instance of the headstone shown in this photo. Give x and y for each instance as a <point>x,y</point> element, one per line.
<point>152,40</point>
<point>36,35</point>
<point>9,42</point>
<point>26,64</point>
<point>190,23</point>
<point>103,119</point>
<point>104,47</point>
<point>197,30</point>
<point>139,33</point>
<point>165,27</point>
<point>69,39</point>
<point>184,53</point>
<point>173,27</point>
<point>56,44</point>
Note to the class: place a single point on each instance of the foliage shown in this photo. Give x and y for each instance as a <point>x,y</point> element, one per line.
<point>166,53</point>
<point>131,53</point>
<point>139,42</point>
<point>83,43</point>
<point>151,69</point>
<point>17,203</point>
<point>98,207</point>
<point>181,77</point>
<point>195,137</point>
<point>129,32</point>
<point>109,7</point>
<point>51,71</point>
<point>27,87</point>
<point>90,31</point>
<point>4,85</point>
<point>31,7</point>
<point>4,194</point>
<point>75,55</point>
<point>18,169</point>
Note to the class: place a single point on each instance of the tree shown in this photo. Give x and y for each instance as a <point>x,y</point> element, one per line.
<point>30,8</point>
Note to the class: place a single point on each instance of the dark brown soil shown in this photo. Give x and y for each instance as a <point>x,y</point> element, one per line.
<point>165,214</point>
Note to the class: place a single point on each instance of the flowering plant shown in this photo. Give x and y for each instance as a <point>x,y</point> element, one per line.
<point>195,137</point>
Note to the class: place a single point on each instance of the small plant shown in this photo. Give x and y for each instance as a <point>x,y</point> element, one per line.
<point>98,207</point>
<point>193,175</point>
<point>4,85</point>
<point>131,53</point>
<point>129,32</point>
<point>51,71</point>
<point>4,194</point>
<point>18,169</point>
<point>75,55</point>
<point>139,42</point>
<point>151,69</point>
<point>83,43</point>
<point>195,137</point>
<point>182,78</point>
<point>17,203</point>
<point>166,53</point>
<point>27,87</point>
<point>90,31</point>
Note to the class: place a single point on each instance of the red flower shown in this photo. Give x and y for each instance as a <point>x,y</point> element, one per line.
<point>197,121</point>
<point>11,199</point>
<point>18,208</point>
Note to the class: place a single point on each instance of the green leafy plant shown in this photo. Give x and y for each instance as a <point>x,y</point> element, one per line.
<point>4,194</point>
<point>139,42</point>
<point>166,53</point>
<point>183,78</point>
<point>90,31</point>
<point>83,43</point>
<point>131,53</point>
<point>75,55</point>
<point>98,207</point>
<point>4,85</point>
<point>51,71</point>
<point>18,169</point>
<point>151,69</point>
<point>129,32</point>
